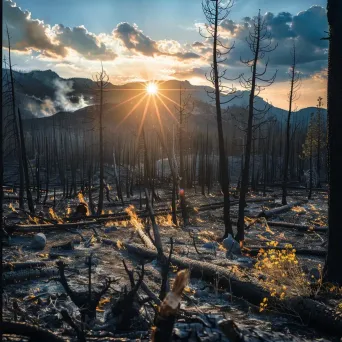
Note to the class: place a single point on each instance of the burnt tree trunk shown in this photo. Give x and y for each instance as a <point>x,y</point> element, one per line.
<point>249,135</point>
<point>25,165</point>
<point>334,257</point>
<point>224,180</point>
<point>288,125</point>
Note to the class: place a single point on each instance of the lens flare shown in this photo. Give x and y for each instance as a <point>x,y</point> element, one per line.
<point>152,88</point>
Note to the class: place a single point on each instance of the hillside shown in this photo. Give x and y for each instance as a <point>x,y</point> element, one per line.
<point>45,93</point>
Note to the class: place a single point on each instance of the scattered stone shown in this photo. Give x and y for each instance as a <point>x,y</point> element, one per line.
<point>180,333</point>
<point>210,245</point>
<point>39,241</point>
<point>231,245</point>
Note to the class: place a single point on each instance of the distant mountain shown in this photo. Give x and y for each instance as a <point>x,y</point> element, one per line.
<point>45,93</point>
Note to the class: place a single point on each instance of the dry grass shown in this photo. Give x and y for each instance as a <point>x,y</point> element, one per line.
<point>283,275</point>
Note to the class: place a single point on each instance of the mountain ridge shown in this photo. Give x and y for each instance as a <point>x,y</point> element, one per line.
<point>43,93</point>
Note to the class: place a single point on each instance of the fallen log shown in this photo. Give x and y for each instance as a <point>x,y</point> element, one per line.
<point>279,210</point>
<point>24,228</point>
<point>311,312</point>
<point>15,266</point>
<point>254,250</point>
<point>28,274</point>
<point>122,216</point>
<point>217,205</point>
<point>145,239</point>
<point>298,227</point>
<point>35,333</point>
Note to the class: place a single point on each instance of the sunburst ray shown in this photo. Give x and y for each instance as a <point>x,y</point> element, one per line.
<point>167,108</point>
<point>130,112</point>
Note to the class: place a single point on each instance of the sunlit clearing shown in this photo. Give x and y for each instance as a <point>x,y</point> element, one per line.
<point>151,88</point>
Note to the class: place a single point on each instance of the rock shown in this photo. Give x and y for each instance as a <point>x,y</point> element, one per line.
<point>210,245</point>
<point>231,245</point>
<point>180,333</point>
<point>39,241</point>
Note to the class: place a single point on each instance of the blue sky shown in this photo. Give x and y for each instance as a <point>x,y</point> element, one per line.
<point>153,39</point>
<point>162,19</point>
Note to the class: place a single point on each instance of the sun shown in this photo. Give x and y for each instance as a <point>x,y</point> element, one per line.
<point>152,88</point>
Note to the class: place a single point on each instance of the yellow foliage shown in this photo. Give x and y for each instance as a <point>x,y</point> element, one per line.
<point>283,273</point>
<point>263,305</point>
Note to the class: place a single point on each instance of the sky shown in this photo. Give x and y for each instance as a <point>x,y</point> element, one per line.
<point>139,40</point>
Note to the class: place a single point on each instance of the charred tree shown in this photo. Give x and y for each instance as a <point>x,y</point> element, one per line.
<point>260,43</point>
<point>215,12</point>
<point>185,109</point>
<point>25,165</point>
<point>292,97</point>
<point>320,140</point>
<point>14,122</point>
<point>101,79</point>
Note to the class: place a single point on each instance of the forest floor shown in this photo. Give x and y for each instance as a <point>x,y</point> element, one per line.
<point>295,270</point>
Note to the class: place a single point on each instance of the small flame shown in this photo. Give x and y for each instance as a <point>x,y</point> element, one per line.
<point>34,219</point>
<point>164,221</point>
<point>54,215</point>
<point>81,197</point>
<point>134,220</point>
